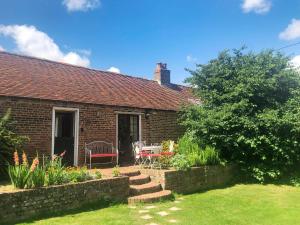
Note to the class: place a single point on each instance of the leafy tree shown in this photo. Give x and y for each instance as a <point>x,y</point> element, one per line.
<point>9,141</point>
<point>250,110</point>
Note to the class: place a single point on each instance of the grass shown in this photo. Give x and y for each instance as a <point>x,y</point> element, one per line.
<point>239,204</point>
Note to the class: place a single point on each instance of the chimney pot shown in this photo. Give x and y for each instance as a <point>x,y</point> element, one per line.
<point>162,74</point>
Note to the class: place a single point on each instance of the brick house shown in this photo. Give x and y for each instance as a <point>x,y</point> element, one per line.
<point>60,106</point>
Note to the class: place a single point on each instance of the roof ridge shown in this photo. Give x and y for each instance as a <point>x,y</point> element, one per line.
<point>76,66</point>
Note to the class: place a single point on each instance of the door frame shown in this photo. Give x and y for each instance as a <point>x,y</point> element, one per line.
<point>117,125</point>
<point>76,129</point>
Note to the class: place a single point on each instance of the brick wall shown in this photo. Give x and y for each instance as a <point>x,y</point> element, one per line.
<point>34,119</point>
<point>16,206</point>
<point>195,179</point>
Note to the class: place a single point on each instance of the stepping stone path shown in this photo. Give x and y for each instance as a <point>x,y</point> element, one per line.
<point>172,221</point>
<point>152,224</point>
<point>174,209</point>
<point>143,211</point>
<point>177,201</point>
<point>146,217</point>
<point>163,213</point>
<point>150,207</point>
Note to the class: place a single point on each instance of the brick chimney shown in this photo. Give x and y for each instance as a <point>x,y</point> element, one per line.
<point>162,74</point>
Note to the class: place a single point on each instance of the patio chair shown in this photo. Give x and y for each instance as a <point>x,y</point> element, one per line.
<point>100,149</point>
<point>137,153</point>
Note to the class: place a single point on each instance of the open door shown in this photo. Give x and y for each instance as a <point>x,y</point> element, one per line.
<point>128,132</point>
<point>64,136</point>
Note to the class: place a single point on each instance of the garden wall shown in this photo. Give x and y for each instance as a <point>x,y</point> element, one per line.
<point>195,179</point>
<point>27,203</point>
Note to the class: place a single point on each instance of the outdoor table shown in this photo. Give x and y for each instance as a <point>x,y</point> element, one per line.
<point>152,152</point>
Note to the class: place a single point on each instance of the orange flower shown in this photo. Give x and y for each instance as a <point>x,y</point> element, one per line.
<point>24,159</point>
<point>16,158</point>
<point>34,164</point>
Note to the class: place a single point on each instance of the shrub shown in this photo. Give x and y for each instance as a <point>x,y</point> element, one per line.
<point>78,174</point>
<point>116,171</point>
<point>9,141</point>
<point>180,162</point>
<point>250,110</point>
<point>98,174</point>
<point>37,178</point>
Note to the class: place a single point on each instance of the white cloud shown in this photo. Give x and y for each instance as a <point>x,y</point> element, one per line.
<point>191,59</point>
<point>295,61</point>
<point>257,6</point>
<point>114,70</point>
<point>292,31</point>
<point>81,5</point>
<point>2,49</point>
<point>32,42</point>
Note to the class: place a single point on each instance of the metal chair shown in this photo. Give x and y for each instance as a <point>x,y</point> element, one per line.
<point>100,149</point>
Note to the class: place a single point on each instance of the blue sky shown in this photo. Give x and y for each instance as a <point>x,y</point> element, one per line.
<point>133,35</point>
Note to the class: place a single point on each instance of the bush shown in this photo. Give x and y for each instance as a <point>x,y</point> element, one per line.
<point>116,171</point>
<point>250,111</point>
<point>55,171</point>
<point>9,141</point>
<point>78,174</point>
<point>180,162</point>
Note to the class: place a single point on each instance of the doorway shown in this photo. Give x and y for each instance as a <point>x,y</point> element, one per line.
<point>65,130</point>
<point>128,133</point>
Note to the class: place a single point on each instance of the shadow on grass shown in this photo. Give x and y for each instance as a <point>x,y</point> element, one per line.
<point>88,207</point>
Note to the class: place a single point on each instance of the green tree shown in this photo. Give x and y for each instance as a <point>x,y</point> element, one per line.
<point>9,141</point>
<point>250,110</point>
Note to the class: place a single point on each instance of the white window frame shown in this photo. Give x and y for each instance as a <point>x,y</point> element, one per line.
<point>117,125</point>
<point>76,129</point>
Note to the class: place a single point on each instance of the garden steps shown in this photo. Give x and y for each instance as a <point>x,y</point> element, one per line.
<point>150,197</point>
<point>140,179</point>
<point>144,190</point>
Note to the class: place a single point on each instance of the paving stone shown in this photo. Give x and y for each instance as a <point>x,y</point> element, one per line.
<point>174,209</point>
<point>177,201</point>
<point>150,207</point>
<point>132,207</point>
<point>163,213</point>
<point>146,217</point>
<point>172,221</point>
<point>143,211</point>
<point>181,198</point>
<point>152,224</point>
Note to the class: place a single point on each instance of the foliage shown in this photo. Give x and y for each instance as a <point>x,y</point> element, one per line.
<point>55,171</point>
<point>250,110</point>
<point>9,140</point>
<point>116,171</point>
<point>167,146</point>
<point>21,175</point>
<point>38,177</point>
<point>98,174</point>
<point>78,174</point>
<point>180,162</point>
<point>197,156</point>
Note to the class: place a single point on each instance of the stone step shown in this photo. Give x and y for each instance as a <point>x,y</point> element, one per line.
<point>138,180</point>
<point>144,188</point>
<point>152,197</point>
<point>131,173</point>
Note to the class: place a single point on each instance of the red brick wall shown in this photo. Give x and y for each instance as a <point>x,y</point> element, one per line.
<point>34,119</point>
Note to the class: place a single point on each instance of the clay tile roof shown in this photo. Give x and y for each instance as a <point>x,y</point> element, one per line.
<point>22,76</point>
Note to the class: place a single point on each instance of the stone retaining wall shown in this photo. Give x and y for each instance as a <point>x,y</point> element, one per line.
<point>195,179</point>
<point>19,205</point>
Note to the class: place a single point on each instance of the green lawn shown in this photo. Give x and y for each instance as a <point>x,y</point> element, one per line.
<point>240,204</point>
